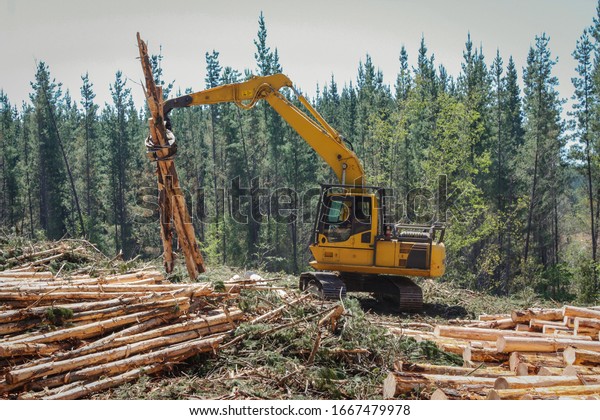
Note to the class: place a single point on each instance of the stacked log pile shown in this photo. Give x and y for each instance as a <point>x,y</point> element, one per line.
<point>530,354</point>
<point>38,257</point>
<point>68,337</point>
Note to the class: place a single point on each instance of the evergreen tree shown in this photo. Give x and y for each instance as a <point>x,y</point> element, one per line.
<point>28,166</point>
<point>91,159</point>
<point>586,134</point>
<point>474,90</point>
<point>417,123</point>
<point>510,188</point>
<point>213,75</point>
<point>404,79</point>
<point>273,136</point>
<point>543,161</point>
<point>157,73</point>
<point>263,55</point>
<point>69,116</point>
<point>10,207</point>
<point>51,171</point>
<point>348,113</point>
<point>119,146</point>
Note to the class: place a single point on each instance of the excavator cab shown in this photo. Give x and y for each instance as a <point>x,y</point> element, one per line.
<point>356,249</point>
<point>347,224</point>
<point>344,216</point>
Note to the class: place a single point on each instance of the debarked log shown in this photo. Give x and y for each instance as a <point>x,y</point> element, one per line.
<point>574,356</point>
<point>402,383</point>
<point>575,311</point>
<point>201,326</point>
<point>174,353</point>
<point>524,316</point>
<point>27,349</point>
<point>485,372</point>
<point>543,393</point>
<point>543,381</point>
<point>536,344</point>
<point>536,359</point>
<point>100,327</point>
<point>23,375</point>
<point>486,354</point>
<point>484,334</point>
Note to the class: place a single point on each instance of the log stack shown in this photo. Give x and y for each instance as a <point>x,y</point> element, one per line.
<point>68,337</point>
<point>537,353</point>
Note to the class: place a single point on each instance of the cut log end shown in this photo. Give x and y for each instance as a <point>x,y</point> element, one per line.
<point>438,394</point>
<point>389,387</point>
<point>501,383</point>
<point>524,369</point>
<point>493,395</point>
<point>569,355</point>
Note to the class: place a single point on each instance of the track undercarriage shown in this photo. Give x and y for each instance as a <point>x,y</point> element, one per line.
<point>405,295</point>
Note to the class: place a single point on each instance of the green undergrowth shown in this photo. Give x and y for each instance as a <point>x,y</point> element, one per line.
<point>57,316</point>
<point>272,360</point>
<point>448,301</point>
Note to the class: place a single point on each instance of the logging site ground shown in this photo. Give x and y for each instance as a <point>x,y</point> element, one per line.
<point>78,324</point>
<point>441,222</point>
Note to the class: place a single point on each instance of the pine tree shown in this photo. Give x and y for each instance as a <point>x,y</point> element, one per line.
<point>268,63</point>
<point>263,55</point>
<point>419,116</point>
<point>51,174</point>
<point>10,207</point>
<point>28,166</point>
<point>585,113</point>
<point>67,134</point>
<point>474,90</point>
<point>91,158</point>
<point>157,73</point>
<point>404,79</point>
<point>544,143</point>
<point>213,76</point>
<point>512,138</point>
<point>120,153</point>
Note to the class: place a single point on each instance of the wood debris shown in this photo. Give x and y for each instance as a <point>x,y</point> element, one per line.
<point>502,362</point>
<point>60,331</point>
<point>65,337</point>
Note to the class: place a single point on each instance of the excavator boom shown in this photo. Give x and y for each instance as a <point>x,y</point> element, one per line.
<point>325,140</point>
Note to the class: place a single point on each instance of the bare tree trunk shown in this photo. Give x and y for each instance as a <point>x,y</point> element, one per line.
<point>87,165</point>
<point>215,180</point>
<point>249,172</point>
<point>556,238</point>
<point>531,205</point>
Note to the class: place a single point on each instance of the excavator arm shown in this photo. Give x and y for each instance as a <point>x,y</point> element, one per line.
<point>325,140</point>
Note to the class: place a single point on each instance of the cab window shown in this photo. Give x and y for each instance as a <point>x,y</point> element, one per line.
<point>345,216</point>
<point>337,226</point>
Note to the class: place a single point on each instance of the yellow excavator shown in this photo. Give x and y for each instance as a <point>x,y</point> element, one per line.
<point>354,247</point>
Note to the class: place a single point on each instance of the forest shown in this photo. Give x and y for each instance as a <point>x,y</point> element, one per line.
<point>487,152</point>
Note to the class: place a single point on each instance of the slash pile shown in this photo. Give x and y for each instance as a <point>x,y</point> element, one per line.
<point>530,354</point>
<point>69,337</point>
<point>99,329</point>
<point>89,328</point>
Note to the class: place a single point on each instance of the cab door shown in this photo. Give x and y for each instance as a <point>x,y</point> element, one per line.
<point>345,231</point>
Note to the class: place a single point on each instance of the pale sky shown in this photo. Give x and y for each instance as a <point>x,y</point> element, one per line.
<point>314,38</point>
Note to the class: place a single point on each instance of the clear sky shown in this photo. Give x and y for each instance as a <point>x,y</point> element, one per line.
<point>315,38</point>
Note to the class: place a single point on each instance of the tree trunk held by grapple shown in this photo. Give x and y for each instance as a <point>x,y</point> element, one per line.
<point>171,200</point>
